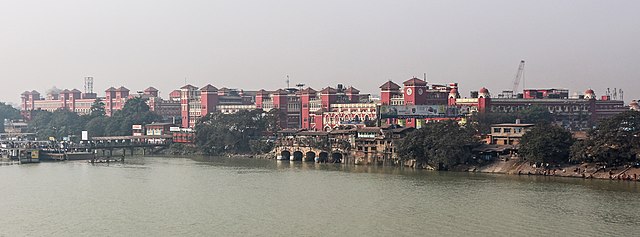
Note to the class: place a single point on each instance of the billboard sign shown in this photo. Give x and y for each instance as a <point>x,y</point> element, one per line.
<point>85,135</point>
<point>174,129</point>
<point>422,111</point>
<point>136,127</point>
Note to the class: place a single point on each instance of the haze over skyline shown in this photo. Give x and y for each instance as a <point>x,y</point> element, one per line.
<point>255,44</point>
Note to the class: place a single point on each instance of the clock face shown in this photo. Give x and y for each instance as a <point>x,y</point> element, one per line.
<point>420,91</point>
<point>409,91</point>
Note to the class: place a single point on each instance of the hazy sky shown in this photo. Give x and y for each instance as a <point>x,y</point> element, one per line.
<point>254,44</point>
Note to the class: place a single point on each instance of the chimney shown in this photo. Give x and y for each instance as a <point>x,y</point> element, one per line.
<point>517,121</point>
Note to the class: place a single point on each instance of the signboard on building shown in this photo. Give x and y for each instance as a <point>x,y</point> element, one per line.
<point>136,127</point>
<point>85,135</point>
<point>422,111</point>
<point>174,129</point>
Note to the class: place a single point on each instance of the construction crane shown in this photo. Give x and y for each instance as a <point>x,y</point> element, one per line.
<point>519,76</point>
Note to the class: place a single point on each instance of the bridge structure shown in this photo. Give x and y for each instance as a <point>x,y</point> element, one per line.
<point>302,152</point>
<point>149,143</point>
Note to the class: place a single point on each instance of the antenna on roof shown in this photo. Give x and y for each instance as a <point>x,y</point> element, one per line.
<point>88,85</point>
<point>621,95</point>
<point>425,76</point>
<point>288,81</point>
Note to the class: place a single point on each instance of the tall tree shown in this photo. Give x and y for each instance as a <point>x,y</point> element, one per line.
<point>39,124</point>
<point>442,144</point>
<point>135,111</point>
<point>614,141</point>
<point>546,143</point>
<point>218,133</point>
<point>97,108</point>
<point>7,112</point>
<point>535,115</point>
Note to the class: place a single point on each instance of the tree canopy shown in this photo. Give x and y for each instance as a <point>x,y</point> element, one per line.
<point>613,141</point>
<point>546,143</point>
<point>533,114</point>
<point>135,111</point>
<point>62,122</point>
<point>442,144</point>
<point>218,133</point>
<point>7,112</point>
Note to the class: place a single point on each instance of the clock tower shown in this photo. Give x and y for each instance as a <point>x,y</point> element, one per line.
<point>415,91</point>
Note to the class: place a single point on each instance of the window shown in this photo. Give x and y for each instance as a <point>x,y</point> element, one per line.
<point>507,130</point>
<point>496,130</point>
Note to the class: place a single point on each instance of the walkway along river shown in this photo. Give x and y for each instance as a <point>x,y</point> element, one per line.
<point>152,196</point>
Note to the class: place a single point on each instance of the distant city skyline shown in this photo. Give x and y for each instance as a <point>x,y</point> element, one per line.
<point>254,45</point>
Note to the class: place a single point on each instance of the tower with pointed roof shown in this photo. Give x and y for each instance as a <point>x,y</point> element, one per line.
<point>305,98</point>
<point>415,91</point>
<point>387,91</point>
<point>208,99</point>
<point>188,93</point>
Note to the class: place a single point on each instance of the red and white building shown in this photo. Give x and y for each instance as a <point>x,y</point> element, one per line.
<point>414,103</point>
<point>114,100</point>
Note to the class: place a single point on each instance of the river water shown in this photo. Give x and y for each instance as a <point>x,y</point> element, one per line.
<point>151,196</point>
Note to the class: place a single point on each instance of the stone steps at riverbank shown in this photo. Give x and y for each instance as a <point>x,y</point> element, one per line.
<point>587,170</point>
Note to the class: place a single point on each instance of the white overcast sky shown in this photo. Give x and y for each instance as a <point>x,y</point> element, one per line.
<point>254,44</point>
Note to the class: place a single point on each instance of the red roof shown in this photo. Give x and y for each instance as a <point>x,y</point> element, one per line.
<point>261,92</point>
<point>352,90</point>
<point>415,82</point>
<point>209,88</point>
<point>110,89</point>
<point>329,90</point>
<point>188,87</point>
<point>390,86</point>
<point>175,92</point>
<point>589,91</point>
<point>309,90</point>
<point>122,88</point>
<point>484,90</point>
<point>280,92</point>
<point>151,89</point>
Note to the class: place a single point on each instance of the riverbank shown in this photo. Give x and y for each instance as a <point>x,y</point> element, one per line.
<point>585,171</point>
<point>510,167</point>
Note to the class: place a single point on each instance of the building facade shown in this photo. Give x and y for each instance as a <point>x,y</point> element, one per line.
<point>413,104</point>
<point>114,100</point>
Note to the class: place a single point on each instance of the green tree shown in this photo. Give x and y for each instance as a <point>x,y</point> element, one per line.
<point>218,133</point>
<point>442,144</point>
<point>60,123</point>
<point>482,121</point>
<point>546,143</point>
<point>39,124</point>
<point>135,111</point>
<point>7,112</point>
<point>97,109</point>
<point>96,126</point>
<point>613,141</point>
<point>535,115</point>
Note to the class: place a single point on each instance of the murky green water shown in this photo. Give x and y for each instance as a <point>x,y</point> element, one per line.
<point>242,197</point>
